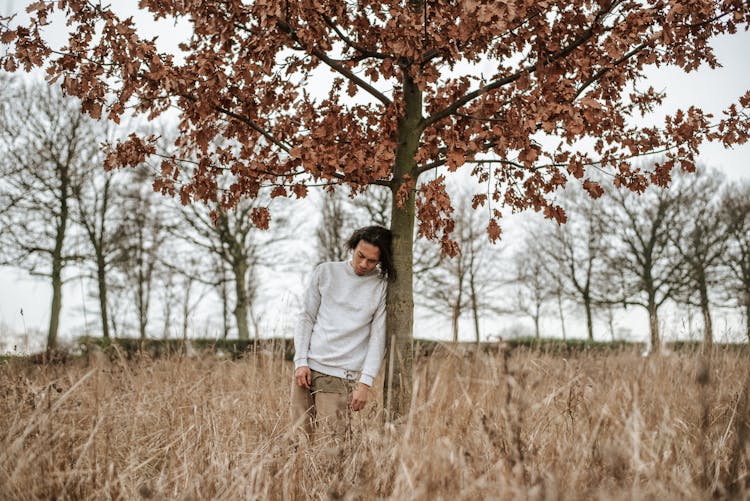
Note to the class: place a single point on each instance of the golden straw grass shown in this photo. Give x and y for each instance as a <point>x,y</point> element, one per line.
<point>591,426</point>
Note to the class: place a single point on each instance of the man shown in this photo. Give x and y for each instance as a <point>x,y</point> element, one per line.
<point>340,338</point>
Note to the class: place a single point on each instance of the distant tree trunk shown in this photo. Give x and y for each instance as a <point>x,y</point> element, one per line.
<point>475,312</point>
<point>56,307</point>
<point>589,317</point>
<point>102,288</point>
<point>167,314</point>
<point>142,304</point>
<point>454,323</point>
<point>747,315</point>
<point>653,323</point>
<point>537,334</point>
<point>611,322</point>
<point>708,335</point>
<point>240,310</point>
<point>225,308</point>
<point>457,310</point>
<point>561,313</point>
<point>186,309</point>
<point>57,266</point>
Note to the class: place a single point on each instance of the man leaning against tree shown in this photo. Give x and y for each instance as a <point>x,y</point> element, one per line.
<point>340,338</point>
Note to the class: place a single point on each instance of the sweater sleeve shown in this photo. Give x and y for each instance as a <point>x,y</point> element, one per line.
<point>306,320</point>
<point>376,344</point>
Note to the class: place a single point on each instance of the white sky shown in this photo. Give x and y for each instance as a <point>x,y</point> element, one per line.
<point>710,90</point>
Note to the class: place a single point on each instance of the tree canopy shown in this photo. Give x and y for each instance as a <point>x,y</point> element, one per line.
<point>526,94</point>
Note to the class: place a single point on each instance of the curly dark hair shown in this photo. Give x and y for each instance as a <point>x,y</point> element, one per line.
<point>381,238</point>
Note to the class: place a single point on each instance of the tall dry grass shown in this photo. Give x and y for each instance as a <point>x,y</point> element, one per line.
<point>531,426</point>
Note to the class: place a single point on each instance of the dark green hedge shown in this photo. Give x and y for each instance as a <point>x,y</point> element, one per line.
<point>231,348</point>
<point>131,348</point>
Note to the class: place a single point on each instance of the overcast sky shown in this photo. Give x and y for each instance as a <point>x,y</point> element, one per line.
<point>710,90</point>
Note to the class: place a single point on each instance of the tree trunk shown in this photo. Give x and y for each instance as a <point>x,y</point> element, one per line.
<point>400,315</point>
<point>168,288</point>
<point>102,286</point>
<point>454,323</point>
<point>240,310</point>
<point>473,297</point>
<point>186,310</point>
<point>400,296</point>
<point>537,334</point>
<point>562,315</point>
<point>224,309</point>
<point>457,307</point>
<point>708,334</point>
<point>747,315</point>
<point>589,318</point>
<point>142,312</point>
<point>56,307</point>
<point>653,323</point>
<point>475,313</point>
<point>57,265</point>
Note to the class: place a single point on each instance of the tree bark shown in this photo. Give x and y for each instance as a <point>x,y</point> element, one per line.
<point>475,313</point>
<point>708,334</point>
<point>224,309</point>
<point>400,296</point>
<point>57,265</point>
<point>167,312</point>
<point>240,310</point>
<point>457,306</point>
<point>653,323</point>
<point>186,309</point>
<point>454,323</point>
<point>400,315</point>
<point>56,307</point>
<point>562,315</point>
<point>747,315</point>
<point>142,303</point>
<point>102,287</point>
<point>589,318</point>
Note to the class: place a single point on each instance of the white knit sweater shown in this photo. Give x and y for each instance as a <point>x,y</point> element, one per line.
<point>341,329</point>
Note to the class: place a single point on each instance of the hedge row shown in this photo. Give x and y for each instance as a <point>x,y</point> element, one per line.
<point>237,348</point>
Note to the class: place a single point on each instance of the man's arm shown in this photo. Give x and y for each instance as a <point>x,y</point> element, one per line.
<point>303,332</point>
<point>376,344</point>
<point>373,358</point>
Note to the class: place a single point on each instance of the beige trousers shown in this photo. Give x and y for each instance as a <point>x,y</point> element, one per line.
<point>323,410</point>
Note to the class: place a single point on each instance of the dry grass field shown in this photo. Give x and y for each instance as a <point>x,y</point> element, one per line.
<point>532,426</point>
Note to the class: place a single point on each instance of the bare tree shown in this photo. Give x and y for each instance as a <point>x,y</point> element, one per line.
<point>467,282</point>
<point>700,241</point>
<point>142,234</point>
<point>533,285</point>
<point>642,261</point>
<point>99,213</point>
<point>241,248</point>
<point>575,252</point>
<point>335,226</point>
<point>735,212</point>
<point>47,145</point>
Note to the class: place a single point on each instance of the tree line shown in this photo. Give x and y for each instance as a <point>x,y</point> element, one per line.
<point>63,217</point>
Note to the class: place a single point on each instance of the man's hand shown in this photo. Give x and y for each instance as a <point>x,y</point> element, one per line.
<point>303,376</point>
<point>359,397</point>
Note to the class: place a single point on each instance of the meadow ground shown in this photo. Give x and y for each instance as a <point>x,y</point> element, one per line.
<point>530,426</point>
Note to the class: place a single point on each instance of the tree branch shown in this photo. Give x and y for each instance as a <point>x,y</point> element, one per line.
<point>285,27</point>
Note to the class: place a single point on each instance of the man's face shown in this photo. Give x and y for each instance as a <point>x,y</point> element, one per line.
<point>365,258</point>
